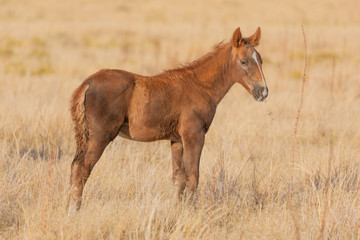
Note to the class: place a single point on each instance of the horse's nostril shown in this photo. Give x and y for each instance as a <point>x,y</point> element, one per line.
<point>260,93</point>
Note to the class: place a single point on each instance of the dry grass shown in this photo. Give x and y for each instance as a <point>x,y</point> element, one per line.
<point>251,186</point>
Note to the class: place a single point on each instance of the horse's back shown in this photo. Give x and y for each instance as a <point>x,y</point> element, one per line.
<point>110,80</point>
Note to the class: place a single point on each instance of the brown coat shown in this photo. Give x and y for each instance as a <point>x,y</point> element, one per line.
<point>177,105</point>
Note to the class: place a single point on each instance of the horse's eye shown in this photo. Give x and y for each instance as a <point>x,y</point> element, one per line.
<point>243,62</point>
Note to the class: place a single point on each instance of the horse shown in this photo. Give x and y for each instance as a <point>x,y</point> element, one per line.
<point>177,105</point>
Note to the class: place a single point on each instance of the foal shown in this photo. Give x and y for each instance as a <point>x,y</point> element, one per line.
<point>177,105</point>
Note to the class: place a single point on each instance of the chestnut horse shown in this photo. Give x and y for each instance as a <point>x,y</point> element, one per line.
<point>177,105</point>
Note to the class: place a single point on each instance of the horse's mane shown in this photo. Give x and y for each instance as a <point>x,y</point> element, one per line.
<point>185,69</point>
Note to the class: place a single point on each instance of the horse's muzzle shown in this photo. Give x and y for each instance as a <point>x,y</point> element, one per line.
<point>260,93</point>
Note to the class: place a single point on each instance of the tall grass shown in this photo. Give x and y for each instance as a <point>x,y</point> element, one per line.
<point>301,94</point>
<point>247,188</point>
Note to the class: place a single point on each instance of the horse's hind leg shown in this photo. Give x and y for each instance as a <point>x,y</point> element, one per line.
<point>98,109</point>
<point>102,129</point>
<point>179,177</point>
<point>81,168</point>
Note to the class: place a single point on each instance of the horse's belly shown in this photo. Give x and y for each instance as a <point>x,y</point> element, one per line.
<point>145,133</point>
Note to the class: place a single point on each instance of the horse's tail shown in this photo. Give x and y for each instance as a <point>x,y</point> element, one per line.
<point>78,116</point>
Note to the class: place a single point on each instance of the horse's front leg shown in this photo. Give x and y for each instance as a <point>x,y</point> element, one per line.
<point>179,178</point>
<point>193,142</point>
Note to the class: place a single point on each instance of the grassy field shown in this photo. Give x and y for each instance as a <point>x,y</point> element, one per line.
<point>257,180</point>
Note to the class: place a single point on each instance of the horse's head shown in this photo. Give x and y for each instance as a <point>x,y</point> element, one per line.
<point>247,64</point>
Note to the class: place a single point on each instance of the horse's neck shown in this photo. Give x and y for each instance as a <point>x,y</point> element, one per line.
<point>212,74</point>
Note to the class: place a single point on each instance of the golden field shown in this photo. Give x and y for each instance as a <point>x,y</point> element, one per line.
<point>257,179</point>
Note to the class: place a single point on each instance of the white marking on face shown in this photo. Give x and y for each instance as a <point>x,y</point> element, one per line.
<point>254,55</point>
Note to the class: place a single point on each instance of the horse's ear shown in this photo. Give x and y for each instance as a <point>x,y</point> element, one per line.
<point>236,38</point>
<point>254,39</point>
